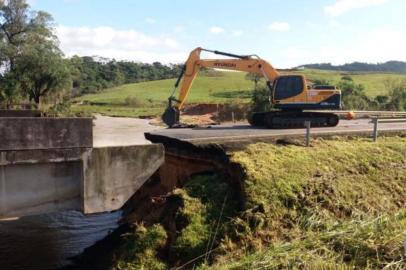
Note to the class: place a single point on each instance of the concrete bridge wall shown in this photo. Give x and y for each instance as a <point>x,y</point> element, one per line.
<point>92,181</point>
<point>48,165</point>
<point>20,113</point>
<point>22,133</point>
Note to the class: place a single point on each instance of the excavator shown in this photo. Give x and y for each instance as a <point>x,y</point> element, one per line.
<point>291,97</point>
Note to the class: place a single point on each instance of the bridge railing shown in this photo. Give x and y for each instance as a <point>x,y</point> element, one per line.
<point>376,120</point>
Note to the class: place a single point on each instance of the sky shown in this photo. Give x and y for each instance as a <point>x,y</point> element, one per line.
<point>287,33</point>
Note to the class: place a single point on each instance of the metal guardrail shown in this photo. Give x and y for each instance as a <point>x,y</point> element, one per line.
<point>377,120</point>
<point>307,126</point>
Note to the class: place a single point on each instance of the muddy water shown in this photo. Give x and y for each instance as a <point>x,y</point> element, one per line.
<point>48,241</point>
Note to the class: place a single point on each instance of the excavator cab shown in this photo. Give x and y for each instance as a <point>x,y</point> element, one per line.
<point>287,87</point>
<point>292,92</point>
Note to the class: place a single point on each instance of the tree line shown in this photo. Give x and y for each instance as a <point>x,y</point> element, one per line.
<point>390,66</point>
<point>355,98</point>
<point>90,74</point>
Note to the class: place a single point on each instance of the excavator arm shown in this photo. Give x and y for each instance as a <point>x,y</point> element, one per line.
<point>241,63</point>
<point>247,63</point>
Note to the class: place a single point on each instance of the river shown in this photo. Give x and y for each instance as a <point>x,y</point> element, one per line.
<point>49,241</point>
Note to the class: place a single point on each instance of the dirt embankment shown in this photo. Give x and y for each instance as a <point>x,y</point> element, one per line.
<point>338,204</point>
<point>209,114</point>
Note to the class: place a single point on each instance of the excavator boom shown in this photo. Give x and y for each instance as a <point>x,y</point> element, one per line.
<point>242,63</point>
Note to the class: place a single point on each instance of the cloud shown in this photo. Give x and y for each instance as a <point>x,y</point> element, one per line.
<point>390,44</point>
<point>237,33</point>
<point>216,30</point>
<point>342,6</point>
<point>279,26</point>
<point>119,44</point>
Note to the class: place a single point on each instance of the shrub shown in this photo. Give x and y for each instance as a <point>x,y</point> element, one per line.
<point>260,101</point>
<point>139,249</point>
<point>133,101</point>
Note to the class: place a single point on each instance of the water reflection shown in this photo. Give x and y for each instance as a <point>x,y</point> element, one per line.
<point>48,241</point>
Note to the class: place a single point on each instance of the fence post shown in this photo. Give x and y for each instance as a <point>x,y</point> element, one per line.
<point>307,125</point>
<point>375,133</point>
<point>232,117</point>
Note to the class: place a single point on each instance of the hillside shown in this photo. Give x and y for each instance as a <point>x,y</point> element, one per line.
<point>149,98</point>
<point>390,66</point>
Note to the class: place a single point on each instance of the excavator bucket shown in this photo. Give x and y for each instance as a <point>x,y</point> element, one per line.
<point>171,116</point>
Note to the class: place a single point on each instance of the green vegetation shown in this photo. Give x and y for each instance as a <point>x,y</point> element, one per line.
<point>32,64</point>
<point>139,250</point>
<point>92,75</point>
<point>223,87</point>
<point>226,87</point>
<point>339,204</point>
<point>374,83</point>
<point>202,207</point>
<point>35,71</point>
<point>390,66</point>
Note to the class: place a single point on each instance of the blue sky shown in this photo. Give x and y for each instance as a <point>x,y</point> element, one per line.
<point>287,33</point>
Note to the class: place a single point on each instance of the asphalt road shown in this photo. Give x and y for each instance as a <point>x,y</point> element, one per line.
<point>244,131</point>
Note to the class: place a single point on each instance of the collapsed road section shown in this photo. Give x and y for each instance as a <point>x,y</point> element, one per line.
<point>209,203</point>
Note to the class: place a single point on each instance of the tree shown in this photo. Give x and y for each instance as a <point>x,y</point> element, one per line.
<point>353,95</point>
<point>31,62</point>
<point>254,78</point>
<point>260,100</point>
<point>396,95</point>
<point>42,71</point>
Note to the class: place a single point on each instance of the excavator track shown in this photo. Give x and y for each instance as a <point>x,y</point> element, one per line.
<point>296,119</point>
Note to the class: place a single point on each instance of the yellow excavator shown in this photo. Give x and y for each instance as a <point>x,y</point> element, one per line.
<point>290,95</point>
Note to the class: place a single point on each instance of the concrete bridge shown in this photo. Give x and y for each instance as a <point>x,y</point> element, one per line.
<point>50,164</point>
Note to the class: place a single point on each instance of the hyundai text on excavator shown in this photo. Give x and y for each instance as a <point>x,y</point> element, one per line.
<point>289,94</point>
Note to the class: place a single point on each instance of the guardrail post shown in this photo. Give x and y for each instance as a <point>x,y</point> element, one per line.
<point>232,117</point>
<point>307,125</point>
<point>375,132</point>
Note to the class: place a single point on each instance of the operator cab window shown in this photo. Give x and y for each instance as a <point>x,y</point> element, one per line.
<point>288,86</point>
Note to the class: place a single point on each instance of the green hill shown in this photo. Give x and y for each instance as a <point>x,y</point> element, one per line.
<point>390,66</point>
<point>149,98</point>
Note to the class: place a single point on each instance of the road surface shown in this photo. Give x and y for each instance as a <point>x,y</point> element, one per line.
<point>244,131</point>
<point>119,131</point>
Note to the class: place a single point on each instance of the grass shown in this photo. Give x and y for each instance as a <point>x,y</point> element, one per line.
<point>374,83</point>
<point>196,226</point>
<point>116,110</point>
<point>371,244</point>
<point>230,87</point>
<point>139,249</point>
<point>339,204</point>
